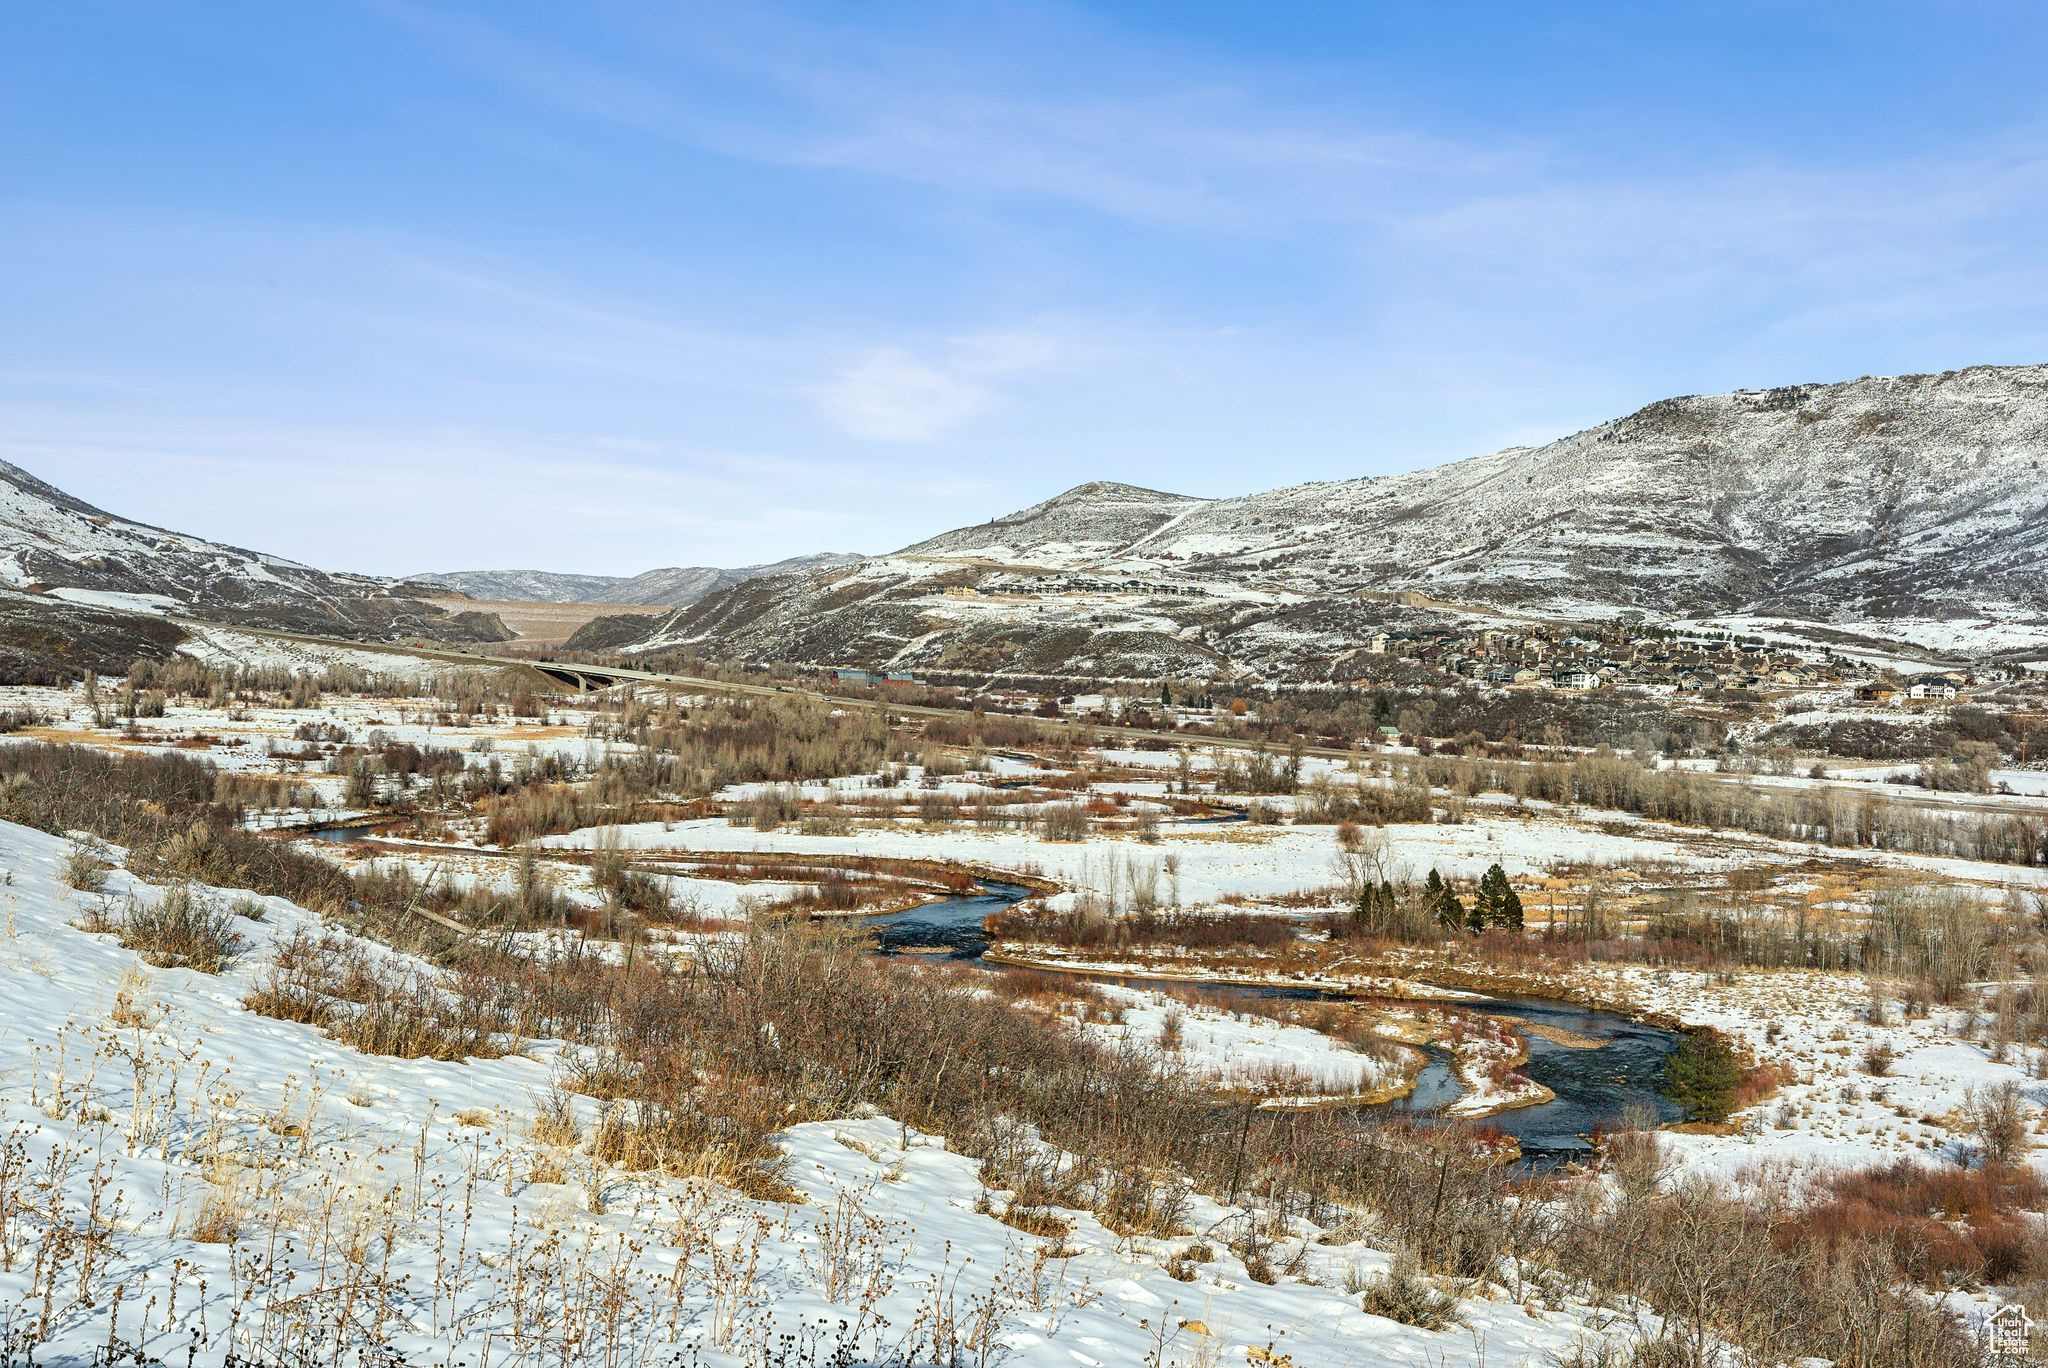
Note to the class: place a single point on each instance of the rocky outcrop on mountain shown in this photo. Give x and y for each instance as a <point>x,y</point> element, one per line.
<point>1899,508</point>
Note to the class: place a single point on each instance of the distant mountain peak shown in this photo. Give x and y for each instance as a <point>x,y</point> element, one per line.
<point>1116,489</point>
<point>672,586</point>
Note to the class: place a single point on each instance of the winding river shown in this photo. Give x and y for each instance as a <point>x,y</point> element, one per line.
<point>1615,1066</point>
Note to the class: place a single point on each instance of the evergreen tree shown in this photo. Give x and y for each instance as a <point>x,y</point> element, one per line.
<point>1702,1075</point>
<point>1486,902</point>
<point>1374,910</point>
<point>1444,901</point>
<point>1497,903</point>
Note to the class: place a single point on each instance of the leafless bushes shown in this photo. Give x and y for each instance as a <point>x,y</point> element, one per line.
<point>1824,814</point>
<point>391,898</point>
<point>1998,1120</point>
<point>1941,1227</point>
<point>181,930</point>
<point>719,742</point>
<point>1063,822</point>
<point>1080,928</point>
<point>85,868</point>
<point>1259,771</point>
<point>342,986</point>
<point>164,809</point>
<point>772,807</point>
<point>1323,800</point>
<point>1719,1268</point>
<point>1403,1294</point>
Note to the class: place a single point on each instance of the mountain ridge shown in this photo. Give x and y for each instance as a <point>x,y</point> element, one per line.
<point>669,586</point>
<point>1909,503</point>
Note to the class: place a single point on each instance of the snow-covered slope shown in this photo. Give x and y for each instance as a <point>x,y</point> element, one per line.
<point>1906,507</point>
<point>62,547</point>
<point>188,1180</point>
<point>1913,496</point>
<point>674,586</point>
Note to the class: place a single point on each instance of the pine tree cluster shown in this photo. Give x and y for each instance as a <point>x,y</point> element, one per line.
<point>1496,904</point>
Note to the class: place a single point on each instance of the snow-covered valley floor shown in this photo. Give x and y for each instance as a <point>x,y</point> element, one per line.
<point>177,1169</point>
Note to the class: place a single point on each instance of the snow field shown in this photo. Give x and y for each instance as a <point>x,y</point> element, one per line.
<point>409,1203</point>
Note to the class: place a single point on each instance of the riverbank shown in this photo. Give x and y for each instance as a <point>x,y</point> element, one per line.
<point>1052,960</point>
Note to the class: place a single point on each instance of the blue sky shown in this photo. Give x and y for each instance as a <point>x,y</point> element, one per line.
<point>401,285</point>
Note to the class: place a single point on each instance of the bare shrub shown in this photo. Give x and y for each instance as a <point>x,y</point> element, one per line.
<point>336,983</point>
<point>1063,822</point>
<point>1938,1226</point>
<point>1037,1221</point>
<point>1997,1116</point>
<point>1635,1155</point>
<point>554,1121</point>
<point>1402,1294</point>
<point>181,930</point>
<point>85,867</point>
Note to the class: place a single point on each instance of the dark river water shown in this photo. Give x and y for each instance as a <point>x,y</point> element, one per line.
<point>345,833</point>
<point>1594,1086</point>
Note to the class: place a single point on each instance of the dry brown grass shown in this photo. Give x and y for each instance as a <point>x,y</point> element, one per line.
<point>1037,1221</point>
<point>184,929</point>
<point>554,1124</point>
<point>407,1012</point>
<point>222,1212</point>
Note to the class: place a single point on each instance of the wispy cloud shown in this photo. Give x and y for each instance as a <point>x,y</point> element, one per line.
<point>632,284</point>
<point>891,394</point>
<point>888,395</point>
<point>1201,151</point>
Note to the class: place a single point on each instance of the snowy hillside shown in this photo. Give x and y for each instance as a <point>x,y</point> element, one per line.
<point>185,1178</point>
<point>531,586</point>
<point>1910,509</point>
<point>56,545</point>
<point>1913,497</point>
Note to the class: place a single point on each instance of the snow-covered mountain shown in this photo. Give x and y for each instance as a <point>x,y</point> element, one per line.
<point>524,586</point>
<point>59,547</point>
<point>674,586</point>
<point>1078,523</point>
<point>1909,508</point>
